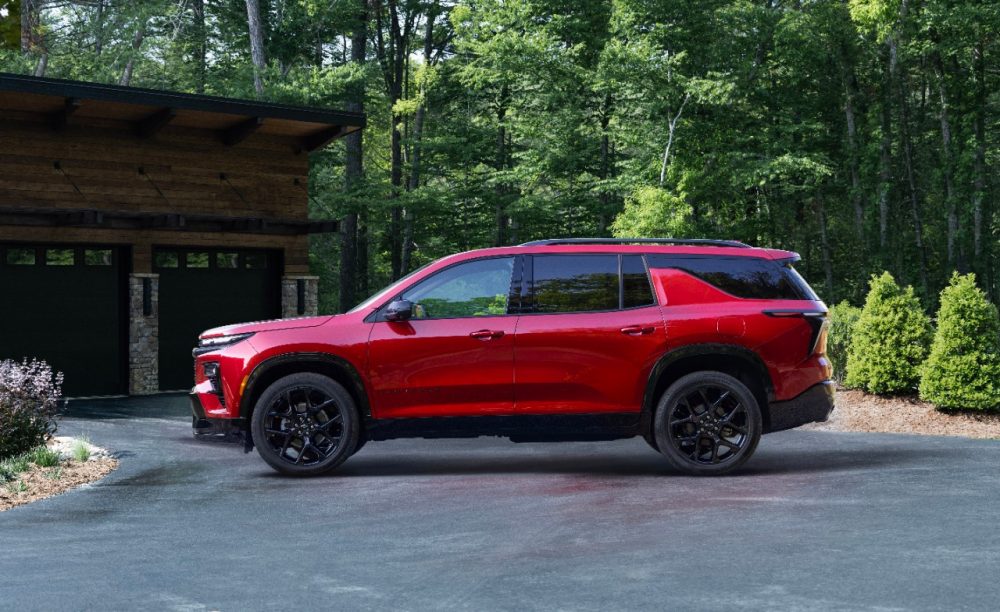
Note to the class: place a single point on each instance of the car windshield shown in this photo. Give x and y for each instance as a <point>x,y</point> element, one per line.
<point>394,287</point>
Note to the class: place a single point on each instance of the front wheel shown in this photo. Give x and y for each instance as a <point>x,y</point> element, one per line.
<point>305,424</point>
<point>707,423</point>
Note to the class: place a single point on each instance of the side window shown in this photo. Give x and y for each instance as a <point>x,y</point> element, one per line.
<point>743,277</point>
<point>575,283</point>
<point>473,289</point>
<point>635,283</point>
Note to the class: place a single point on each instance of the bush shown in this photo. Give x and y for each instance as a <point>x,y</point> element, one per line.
<point>963,370</point>
<point>843,316</point>
<point>889,341</point>
<point>29,397</point>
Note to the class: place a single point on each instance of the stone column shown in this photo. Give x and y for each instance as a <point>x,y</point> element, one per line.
<point>291,298</point>
<point>143,333</point>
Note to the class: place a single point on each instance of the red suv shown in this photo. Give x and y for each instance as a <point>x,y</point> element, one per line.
<point>699,346</point>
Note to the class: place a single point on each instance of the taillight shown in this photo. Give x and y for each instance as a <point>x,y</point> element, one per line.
<point>819,346</point>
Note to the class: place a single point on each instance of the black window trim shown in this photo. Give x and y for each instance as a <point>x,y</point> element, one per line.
<point>377,316</point>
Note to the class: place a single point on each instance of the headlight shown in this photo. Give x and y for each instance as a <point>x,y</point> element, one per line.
<point>210,344</point>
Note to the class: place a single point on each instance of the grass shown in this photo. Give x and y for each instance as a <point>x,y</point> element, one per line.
<point>55,474</point>
<point>43,456</point>
<point>80,450</point>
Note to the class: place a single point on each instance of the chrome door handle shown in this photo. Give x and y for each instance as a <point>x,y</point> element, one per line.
<point>486,334</point>
<point>636,330</point>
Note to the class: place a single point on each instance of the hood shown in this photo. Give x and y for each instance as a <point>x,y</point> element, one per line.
<point>263,326</point>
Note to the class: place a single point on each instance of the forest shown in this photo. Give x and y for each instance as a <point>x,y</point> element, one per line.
<point>861,134</point>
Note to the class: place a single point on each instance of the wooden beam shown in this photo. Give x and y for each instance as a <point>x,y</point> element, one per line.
<point>236,134</point>
<point>58,118</point>
<point>148,126</point>
<point>320,139</point>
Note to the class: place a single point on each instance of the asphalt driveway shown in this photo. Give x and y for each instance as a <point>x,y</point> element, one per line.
<point>815,521</point>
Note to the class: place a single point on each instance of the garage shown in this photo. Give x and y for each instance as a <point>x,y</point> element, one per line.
<point>202,288</point>
<point>64,304</point>
<point>132,219</point>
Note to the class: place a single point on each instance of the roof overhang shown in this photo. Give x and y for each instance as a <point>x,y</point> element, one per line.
<point>150,110</point>
<point>171,221</point>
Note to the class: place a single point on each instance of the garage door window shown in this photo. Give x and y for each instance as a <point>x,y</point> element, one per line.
<point>165,259</point>
<point>21,257</point>
<point>59,257</point>
<point>197,260</point>
<point>97,257</point>
<point>227,261</point>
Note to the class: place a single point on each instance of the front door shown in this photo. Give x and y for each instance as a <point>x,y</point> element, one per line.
<point>455,356</point>
<point>592,336</point>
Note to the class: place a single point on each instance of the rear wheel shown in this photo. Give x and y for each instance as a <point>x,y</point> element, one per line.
<point>707,423</point>
<point>305,424</point>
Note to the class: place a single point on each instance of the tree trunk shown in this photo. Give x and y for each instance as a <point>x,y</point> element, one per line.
<point>825,244</point>
<point>137,38</point>
<point>946,160</point>
<point>915,209</point>
<point>256,46</point>
<point>27,25</point>
<point>604,166</point>
<point>392,61</point>
<point>42,64</point>
<point>981,264</point>
<point>418,132</point>
<point>852,153</point>
<point>201,47</point>
<point>885,146</point>
<point>500,213</point>
<point>354,174</point>
<point>99,29</point>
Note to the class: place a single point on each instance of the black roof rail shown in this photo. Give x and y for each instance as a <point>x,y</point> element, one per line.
<point>679,241</point>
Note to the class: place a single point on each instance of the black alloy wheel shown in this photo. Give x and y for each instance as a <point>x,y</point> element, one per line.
<point>305,424</point>
<point>707,423</point>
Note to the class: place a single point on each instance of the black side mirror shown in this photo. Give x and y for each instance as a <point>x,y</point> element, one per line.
<point>399,310</point>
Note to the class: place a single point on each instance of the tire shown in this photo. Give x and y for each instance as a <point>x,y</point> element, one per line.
<point>305,425</point>
<point>707,423</point>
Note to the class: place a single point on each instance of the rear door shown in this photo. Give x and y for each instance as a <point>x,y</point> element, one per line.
<point>456,355</point>
<point>589,334</point>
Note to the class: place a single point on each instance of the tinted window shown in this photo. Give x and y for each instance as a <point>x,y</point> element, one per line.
<point>635,283</point>
<point>796,279</point>
<point>575,283</point>
<point>472,289</point>
<point>744,277</point>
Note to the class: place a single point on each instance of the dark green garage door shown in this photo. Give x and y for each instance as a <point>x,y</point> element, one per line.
<point>66,305</point>
<point>204,288</point>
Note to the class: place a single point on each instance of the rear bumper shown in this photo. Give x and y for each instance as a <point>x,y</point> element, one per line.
<point>813,405</point>
<point>205,426</point>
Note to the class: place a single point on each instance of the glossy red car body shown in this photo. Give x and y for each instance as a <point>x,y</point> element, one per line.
<point>615,362</point>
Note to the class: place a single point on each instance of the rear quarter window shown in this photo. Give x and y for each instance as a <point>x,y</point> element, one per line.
<point>742,277</point>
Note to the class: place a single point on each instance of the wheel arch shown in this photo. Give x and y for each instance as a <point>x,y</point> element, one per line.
<point>737,361</point>
<point>270,370</point>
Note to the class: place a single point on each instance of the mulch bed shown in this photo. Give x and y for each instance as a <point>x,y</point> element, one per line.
<point>45,482</point>
<point>860,411</point>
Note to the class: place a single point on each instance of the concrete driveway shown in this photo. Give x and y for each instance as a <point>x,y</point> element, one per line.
<point>815,521</point>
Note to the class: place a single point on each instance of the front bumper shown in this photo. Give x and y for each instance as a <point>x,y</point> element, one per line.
<point>201,425</point>
<point>813,405</point>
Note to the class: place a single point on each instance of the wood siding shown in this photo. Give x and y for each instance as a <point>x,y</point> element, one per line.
<point>104,165</point>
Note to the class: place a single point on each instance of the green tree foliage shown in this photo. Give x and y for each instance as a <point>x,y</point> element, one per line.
<point>889,341</point>
<point>843,317</point>
<point>963,369</point>
<point>860,134</point>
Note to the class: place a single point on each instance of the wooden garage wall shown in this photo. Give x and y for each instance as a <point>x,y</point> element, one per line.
<point>99,168</point>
